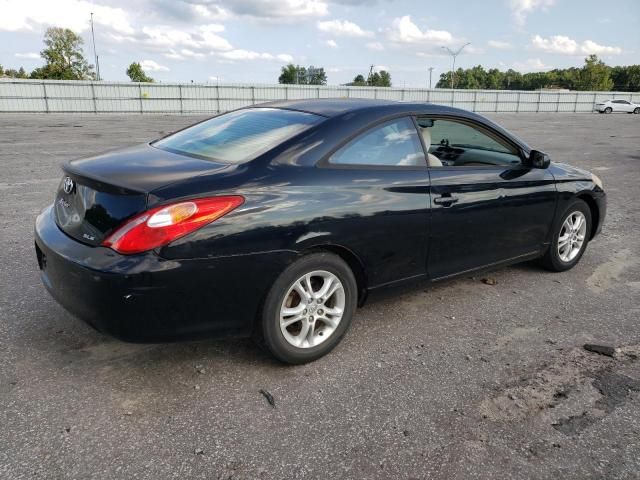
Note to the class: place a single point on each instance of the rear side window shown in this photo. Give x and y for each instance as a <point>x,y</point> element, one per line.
<point>395,143</point>
<point>239,136</point>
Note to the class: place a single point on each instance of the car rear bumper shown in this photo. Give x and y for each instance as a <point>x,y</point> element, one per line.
<point>146,298</point>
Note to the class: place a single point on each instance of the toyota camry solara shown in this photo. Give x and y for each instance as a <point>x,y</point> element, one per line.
<point>277,221</point>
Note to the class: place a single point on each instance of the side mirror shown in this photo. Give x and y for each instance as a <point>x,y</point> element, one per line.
<point>538,159</point>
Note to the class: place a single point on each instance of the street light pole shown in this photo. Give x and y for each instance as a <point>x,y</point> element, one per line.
<point>430,72</point>
<point>93,38</point>
<point>454,54</point>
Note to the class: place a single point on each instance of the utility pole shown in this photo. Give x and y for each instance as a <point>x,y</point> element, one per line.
<point>454,54</point>
<point>430,72</point>
<point>93,38</point>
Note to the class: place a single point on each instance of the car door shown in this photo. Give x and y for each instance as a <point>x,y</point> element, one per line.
<point>487,206</point>
<point>626,106</point>
<point>380,211</point>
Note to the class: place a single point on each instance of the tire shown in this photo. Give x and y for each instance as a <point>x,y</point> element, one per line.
<point>608,110</point>
<point>636,110</point>
<point>553,259</point>
<point>290,344</point>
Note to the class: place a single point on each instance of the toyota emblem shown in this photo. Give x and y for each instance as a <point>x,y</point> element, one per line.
<point>67,185</point>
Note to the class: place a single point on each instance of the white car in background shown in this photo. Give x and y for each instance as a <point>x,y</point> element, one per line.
<point>610,106</point>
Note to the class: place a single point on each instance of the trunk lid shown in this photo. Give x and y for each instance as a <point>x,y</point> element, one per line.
<point>98,193</point>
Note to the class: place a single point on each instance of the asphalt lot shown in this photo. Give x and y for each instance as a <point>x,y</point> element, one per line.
<point>463,380</point>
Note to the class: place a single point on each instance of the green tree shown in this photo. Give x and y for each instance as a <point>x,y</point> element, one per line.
<point>136,74</point>
<point>293,74</point>
<point>64,57</point>
<point>358,81</point>
<point>316,76</point>
<point>1,71</point>
<point>13,73</point>
<point>595,75</point>
<point>385,79</point>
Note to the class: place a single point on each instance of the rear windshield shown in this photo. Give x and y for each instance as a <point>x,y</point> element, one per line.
<point>239,136</point>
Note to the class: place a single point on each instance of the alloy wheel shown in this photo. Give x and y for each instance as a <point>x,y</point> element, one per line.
<point>312,309</point>
<point>572,235</point>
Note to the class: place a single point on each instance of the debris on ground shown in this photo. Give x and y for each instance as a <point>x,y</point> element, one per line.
<point>601,349</point>
<point>269,398</point>
<point>200,369</point>
<point>489,281</point>
<point>198,451</point>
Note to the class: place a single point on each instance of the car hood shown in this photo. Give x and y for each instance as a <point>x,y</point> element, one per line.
<point>569,172</point>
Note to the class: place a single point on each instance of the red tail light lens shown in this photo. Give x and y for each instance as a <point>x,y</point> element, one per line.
<point>162,225</point>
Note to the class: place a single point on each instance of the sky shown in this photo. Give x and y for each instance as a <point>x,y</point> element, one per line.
<point>248,41</point>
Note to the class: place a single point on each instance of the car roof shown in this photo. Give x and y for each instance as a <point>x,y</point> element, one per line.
<point>332,107</point>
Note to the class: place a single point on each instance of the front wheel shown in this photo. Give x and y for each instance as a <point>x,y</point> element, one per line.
<point>570,238</point>
<point>309,308</point>
<point>636,110</point>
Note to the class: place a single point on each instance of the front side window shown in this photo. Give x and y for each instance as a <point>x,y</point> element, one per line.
<point>239,136</point>
<point>456,144</point>
<point>394,144</point>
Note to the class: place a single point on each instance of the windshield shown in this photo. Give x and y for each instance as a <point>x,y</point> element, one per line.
<point>239,136</point>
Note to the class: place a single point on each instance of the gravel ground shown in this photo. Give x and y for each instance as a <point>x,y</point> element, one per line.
<point>463,380</point>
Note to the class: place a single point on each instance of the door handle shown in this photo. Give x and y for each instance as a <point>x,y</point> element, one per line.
<point>445,200</point>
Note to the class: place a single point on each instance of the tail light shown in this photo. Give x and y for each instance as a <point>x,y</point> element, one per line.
<point>162,225</point>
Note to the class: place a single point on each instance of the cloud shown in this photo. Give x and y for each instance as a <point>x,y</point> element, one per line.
<point>375,46</point>
<point>530,65</point>
<point>592,48</point>
<point>202,40</point>
<point>499,45</point>
<point>35,15</point>
<point>521,8</point>
<point>343,28</point>
<point>151,66</point>
<point>245,55</point>
<point>30,55</point>
<point>331,43</point>
<point>279,10</point>
<point>403,30</point>
<point>567,46</point>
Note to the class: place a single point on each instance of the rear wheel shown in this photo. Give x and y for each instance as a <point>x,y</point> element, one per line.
<point>309,308</point>
<point>570,238</point>
<point>608,110</point>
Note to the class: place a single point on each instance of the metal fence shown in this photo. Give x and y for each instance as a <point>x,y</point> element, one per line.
<point>60,96</point>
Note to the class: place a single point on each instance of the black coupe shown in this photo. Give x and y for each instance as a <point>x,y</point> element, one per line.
<point>276,221</point>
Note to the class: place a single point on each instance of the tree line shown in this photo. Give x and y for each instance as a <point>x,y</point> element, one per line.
<point>296,75</point>
<point>595,75</point>
<point>64,60</point>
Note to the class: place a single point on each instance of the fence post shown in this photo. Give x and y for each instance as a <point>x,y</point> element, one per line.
<point>46,98</point>
<point>518,102</point>
<point>140,96</point>
<point>539,99</point>
<point>93,97</point>
<point>475,99</point>
<point>575,104</point>
<point>428,96</point>
<point>318,91</point>
<point>181,107</point>
<point>253,95</point>
<point>595,97</point>
<point>217,98</point>
<point>558,102</point>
